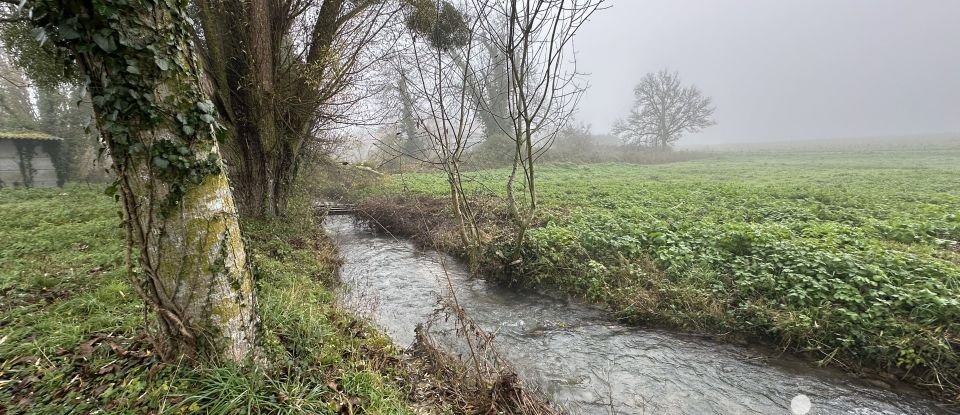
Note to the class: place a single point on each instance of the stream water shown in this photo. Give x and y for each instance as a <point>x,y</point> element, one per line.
<point>582,360</point>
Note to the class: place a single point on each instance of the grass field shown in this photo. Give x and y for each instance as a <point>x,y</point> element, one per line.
<point>71,328</point>
<point>849,254</point>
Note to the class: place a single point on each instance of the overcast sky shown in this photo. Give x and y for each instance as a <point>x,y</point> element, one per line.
<point>783,69</point>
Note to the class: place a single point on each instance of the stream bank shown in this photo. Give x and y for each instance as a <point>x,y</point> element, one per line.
<point>584,361</point>
<point>774,293</point>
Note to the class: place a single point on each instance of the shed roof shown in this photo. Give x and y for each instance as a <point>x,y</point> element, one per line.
<point>26,135</point>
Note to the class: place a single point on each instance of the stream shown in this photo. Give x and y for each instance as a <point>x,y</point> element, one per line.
<point>587,363</point>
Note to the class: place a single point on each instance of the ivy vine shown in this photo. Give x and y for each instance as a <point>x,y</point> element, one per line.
<point>54,149</point>
<point>26,149</point>
<point>143,82</point>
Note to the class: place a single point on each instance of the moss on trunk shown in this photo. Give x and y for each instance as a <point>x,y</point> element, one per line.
<point>161,132</point>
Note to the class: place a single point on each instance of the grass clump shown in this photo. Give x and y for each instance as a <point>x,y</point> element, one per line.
<point>71,328</point>
<point>851,257</point>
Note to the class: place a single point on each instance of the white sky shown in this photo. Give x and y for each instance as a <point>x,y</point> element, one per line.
<point>783,69</point>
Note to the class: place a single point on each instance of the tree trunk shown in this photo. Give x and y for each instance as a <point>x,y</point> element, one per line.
<point>261,56</point>
<point>195,274</point>
<point>249,171</point>
<point>178,208</point>
<point>264,161</point>
<point>269,97</point>
<point>511,192</point>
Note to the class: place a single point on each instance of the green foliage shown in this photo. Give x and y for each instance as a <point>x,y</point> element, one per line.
<point>852,256</point>
<point>144,78</point>
<point>26,150</point>
<point>71,338</point>
<point>43,62</point>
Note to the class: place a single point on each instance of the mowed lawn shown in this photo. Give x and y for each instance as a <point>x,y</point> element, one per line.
<point>852,255</point>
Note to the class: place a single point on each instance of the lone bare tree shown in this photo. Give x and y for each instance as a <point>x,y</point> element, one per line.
<point>663,111</point>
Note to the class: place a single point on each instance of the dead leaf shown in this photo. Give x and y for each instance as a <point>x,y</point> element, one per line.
<point>108,369</point>
<point>333,386</point>
<point>85,350</point>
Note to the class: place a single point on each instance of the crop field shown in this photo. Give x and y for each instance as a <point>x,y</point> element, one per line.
<point>849,255</point>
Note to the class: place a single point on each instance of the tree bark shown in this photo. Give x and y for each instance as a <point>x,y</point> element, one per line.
<point>268,95</point>
<point>195,274</point>
<point>178,208</point>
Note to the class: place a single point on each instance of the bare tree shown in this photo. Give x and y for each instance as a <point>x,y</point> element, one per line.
<point>542,82</point>
<point>434,91</point>
<point>507,67</point>
<point>483,73</point>
<point>663,111</point>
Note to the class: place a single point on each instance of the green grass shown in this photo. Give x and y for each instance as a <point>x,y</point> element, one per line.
<point>850,255</point>
<point>71,328</point>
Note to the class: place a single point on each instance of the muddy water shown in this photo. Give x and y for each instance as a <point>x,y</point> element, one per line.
<point>587,363</point>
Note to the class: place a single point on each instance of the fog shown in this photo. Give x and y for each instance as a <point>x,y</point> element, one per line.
<point>783,70</point>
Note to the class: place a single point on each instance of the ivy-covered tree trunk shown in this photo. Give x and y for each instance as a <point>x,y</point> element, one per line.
<point>161,132</point>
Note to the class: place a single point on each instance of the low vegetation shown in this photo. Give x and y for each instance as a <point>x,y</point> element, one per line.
<point>72,336</point>
<point>849,257</point>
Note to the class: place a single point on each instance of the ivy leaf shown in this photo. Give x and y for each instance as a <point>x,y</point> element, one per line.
<point>188,130</point>
<point>205,106</point>
<point>68,33</point>
<point>112,188</point>
<point>160,162</point>
<point>104,42</point>
<point>133,69</point>
<point>162,63</point>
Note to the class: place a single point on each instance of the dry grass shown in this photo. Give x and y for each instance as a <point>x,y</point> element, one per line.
<point>479,381</point>
<point>429,222</point>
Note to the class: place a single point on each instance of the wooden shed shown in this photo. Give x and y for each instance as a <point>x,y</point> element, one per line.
<point>29,159</point>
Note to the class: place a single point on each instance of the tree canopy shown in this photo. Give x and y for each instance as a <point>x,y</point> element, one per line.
<point>663,111</point>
